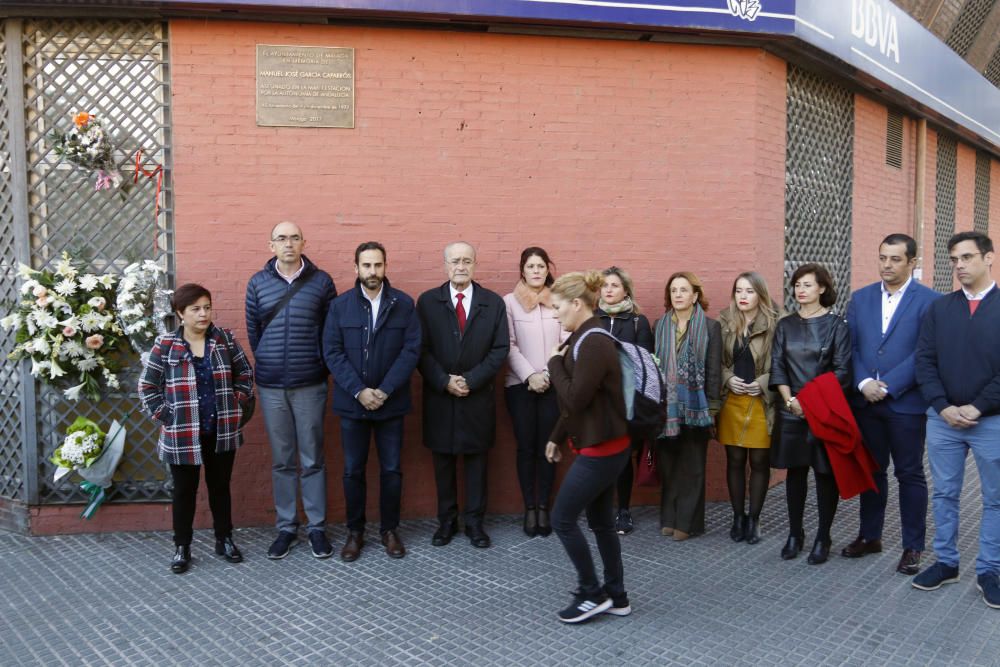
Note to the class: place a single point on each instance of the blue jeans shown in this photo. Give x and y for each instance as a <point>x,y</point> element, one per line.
<point>294,421</point>
<point>355,436</point>
<point>947,449</point>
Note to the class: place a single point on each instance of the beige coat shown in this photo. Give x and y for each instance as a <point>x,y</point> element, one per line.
<point>760,347</point>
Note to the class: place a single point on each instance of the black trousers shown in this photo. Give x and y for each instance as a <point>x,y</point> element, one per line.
<point>589,486</point>
<point>681,463</point>
<point>445,469</point>
<point>533,417</point>
<point>218,473</point>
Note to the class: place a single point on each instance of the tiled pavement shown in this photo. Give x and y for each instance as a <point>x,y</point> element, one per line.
<point>111,599</point>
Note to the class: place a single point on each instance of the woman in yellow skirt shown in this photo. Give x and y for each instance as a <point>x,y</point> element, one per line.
<point>747,413</point>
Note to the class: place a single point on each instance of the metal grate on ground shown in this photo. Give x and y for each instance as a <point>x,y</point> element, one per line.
<point>819,173</point>
<point>944,210</point>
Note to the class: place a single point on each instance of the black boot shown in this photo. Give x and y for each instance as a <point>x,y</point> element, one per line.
<point>793,546</point>
<point>544,521</point>
<point>181,561</point>
<point>530,521</point>
<point>752,532</point>
<point>820,552</point>
<point>737,532</point>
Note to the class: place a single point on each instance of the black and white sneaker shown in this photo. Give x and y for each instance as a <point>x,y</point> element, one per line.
<point>619,607</point>
<point>583,607</point>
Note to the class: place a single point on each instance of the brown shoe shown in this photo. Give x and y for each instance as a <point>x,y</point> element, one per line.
<point>680,535</point>
<point>666,531</point>
<point>909,563</point>
<point>861,547</point>
<point>352,549</point>
<point>393,545</point>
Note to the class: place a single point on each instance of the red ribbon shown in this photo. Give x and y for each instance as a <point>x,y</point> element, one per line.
<point>158,172</point>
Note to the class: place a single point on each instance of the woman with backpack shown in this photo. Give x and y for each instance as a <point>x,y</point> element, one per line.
<point>587,376</point>
<point>195,385</point>
<point>689,347</point>
<point>620,315</point>
<point>747,414</point>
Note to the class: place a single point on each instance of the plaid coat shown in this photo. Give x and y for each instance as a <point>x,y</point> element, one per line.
<point>169,394</point>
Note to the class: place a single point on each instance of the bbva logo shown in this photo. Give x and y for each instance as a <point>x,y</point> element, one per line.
<point>875,23</point>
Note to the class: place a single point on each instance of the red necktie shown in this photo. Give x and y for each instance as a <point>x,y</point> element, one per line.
<point>460,311</point>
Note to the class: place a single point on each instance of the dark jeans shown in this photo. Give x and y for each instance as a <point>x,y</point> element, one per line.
<point>533,417</point>
<point>827,498</point>
<point>626,480</point>
<point>355,436</point>
<point>681,463</point>
<point>445,466</point>
<point>218,472</point>
<point>889,433</point>
<point>589,486</point>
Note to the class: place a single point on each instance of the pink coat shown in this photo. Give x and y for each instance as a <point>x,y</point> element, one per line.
<point>532,337</point>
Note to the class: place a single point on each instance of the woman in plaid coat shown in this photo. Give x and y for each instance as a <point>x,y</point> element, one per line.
<point>195,384</point>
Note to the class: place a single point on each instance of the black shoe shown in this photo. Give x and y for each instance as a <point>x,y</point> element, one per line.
<point>530,521</point>
<point>228,550</point>
<point>282,545</point>
<point>909,562</point>
<point>752,532</point>
<point>792,547</point>
<point>544,521</point>
<point>820,552</point>
<point>584,607</point>
<point>181,561</point>
<point>861,547</point>
<point>477,536</point>
<point>444,533</point>
<point>738,532</point>
<point>321,546</point>
<point>624,524</point>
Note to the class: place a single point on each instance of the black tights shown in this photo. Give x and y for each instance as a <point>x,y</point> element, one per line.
<point>736,476</point>
<point>827,497</point>
<point>627,476</point>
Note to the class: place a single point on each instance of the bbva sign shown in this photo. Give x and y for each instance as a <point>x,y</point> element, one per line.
<point>874,21</point>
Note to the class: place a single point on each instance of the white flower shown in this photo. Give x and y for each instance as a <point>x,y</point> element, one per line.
<point>44,319</point>
<point>66,287</point>
<point>97,302</point>
<point>56,371</point>
<point>65,267</point>
<point>29,286</point>
<point>40,346</point>
<point>107,280</point>
<point>71,348</point>
<point>127,284</point>
<point>88,363</point>
<point>91,321</point>
<point>39,367</point>
<point>73,394</point>
<point>112,381</point>
<point>12,321</point>
<point>88,282</point>
<point>24,271</point>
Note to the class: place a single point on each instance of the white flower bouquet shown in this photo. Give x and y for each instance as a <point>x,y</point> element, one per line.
<point>94,455</point>
<point>67,326</point>
<point>88,146</point>
<point>143,304</point>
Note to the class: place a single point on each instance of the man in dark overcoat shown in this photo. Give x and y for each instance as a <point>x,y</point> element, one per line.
<point>464,345</point>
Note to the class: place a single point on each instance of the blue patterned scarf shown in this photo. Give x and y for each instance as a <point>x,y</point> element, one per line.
<point>684,370</point>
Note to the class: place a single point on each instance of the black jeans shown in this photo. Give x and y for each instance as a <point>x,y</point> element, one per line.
<point>445,471</point>
<point>218,472</point>
<point>533,417</point>
<point>589,486</point>
<point>355,436</point>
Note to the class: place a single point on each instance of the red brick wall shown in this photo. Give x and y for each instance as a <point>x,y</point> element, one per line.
<point>965,188</point>
<point>657,157</point>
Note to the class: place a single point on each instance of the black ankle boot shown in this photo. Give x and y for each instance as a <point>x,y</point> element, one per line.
<point>793,546</point>
<point>752,532</point>
<point>544,521</point>
<point>737,532</point>
<point>181,561</point>
<point>530,521</point>
<point>820,552</point>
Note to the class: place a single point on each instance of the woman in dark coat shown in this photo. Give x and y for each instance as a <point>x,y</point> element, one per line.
<point>689,347</point>
<point>807,344</point>
<point>620,315</point>
<point>195,384</point>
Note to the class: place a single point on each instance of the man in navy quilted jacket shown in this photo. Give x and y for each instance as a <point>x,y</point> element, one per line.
<point>286,308</point>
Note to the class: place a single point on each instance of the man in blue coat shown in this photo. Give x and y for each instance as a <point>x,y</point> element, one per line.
<point>371,342</point>
<point>285,309</point>
<point>884,319</point>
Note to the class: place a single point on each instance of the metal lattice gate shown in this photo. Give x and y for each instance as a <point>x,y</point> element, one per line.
<point>981,208</point>
<point>944,210</point>
<point>119,70</point>
<point>819,175</point>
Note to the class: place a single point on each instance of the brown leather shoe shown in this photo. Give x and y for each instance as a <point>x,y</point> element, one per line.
<point>393,545</point>
<point>352,549</point>
<point>861,547</point>
<point>680,535</point>
<point>909,563</point>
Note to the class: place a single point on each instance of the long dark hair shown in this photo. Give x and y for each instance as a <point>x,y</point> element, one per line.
<point>535,251</point>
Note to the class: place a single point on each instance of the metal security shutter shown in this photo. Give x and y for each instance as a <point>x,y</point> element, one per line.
<point>944,210</point>
<point>981,209</point>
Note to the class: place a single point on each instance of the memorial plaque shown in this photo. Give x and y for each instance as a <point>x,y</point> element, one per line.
<point>305,86</point>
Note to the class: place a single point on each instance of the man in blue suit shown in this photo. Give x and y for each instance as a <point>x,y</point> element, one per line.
<point>884,319</point>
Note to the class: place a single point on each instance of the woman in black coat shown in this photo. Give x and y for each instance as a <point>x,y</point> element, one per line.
<point>807,344</point>
<point>619,314</point>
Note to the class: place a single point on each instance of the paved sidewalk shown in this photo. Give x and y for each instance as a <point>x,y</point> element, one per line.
<point>111,600</point>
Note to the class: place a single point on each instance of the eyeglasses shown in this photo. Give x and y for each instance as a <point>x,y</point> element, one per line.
<point>282,240</point>
<point>462,261</point>
<point>964,259</point>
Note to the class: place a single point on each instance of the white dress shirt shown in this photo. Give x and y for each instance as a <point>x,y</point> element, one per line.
<point>980,295</point>
<point>890,302</point>
<point>290,279</point>
<point>466,302</point>
<point>376,304</point>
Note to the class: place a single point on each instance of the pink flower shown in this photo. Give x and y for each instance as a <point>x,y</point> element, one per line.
<point>39,291</point>
<point>94,342</point>
<point>97,302</point>
<point>103,180</point>
<point>70,331</point>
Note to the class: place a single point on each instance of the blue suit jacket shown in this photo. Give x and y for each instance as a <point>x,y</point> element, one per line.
<point>888,357</point>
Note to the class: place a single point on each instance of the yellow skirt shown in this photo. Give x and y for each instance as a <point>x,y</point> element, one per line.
<point>742,422</point>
